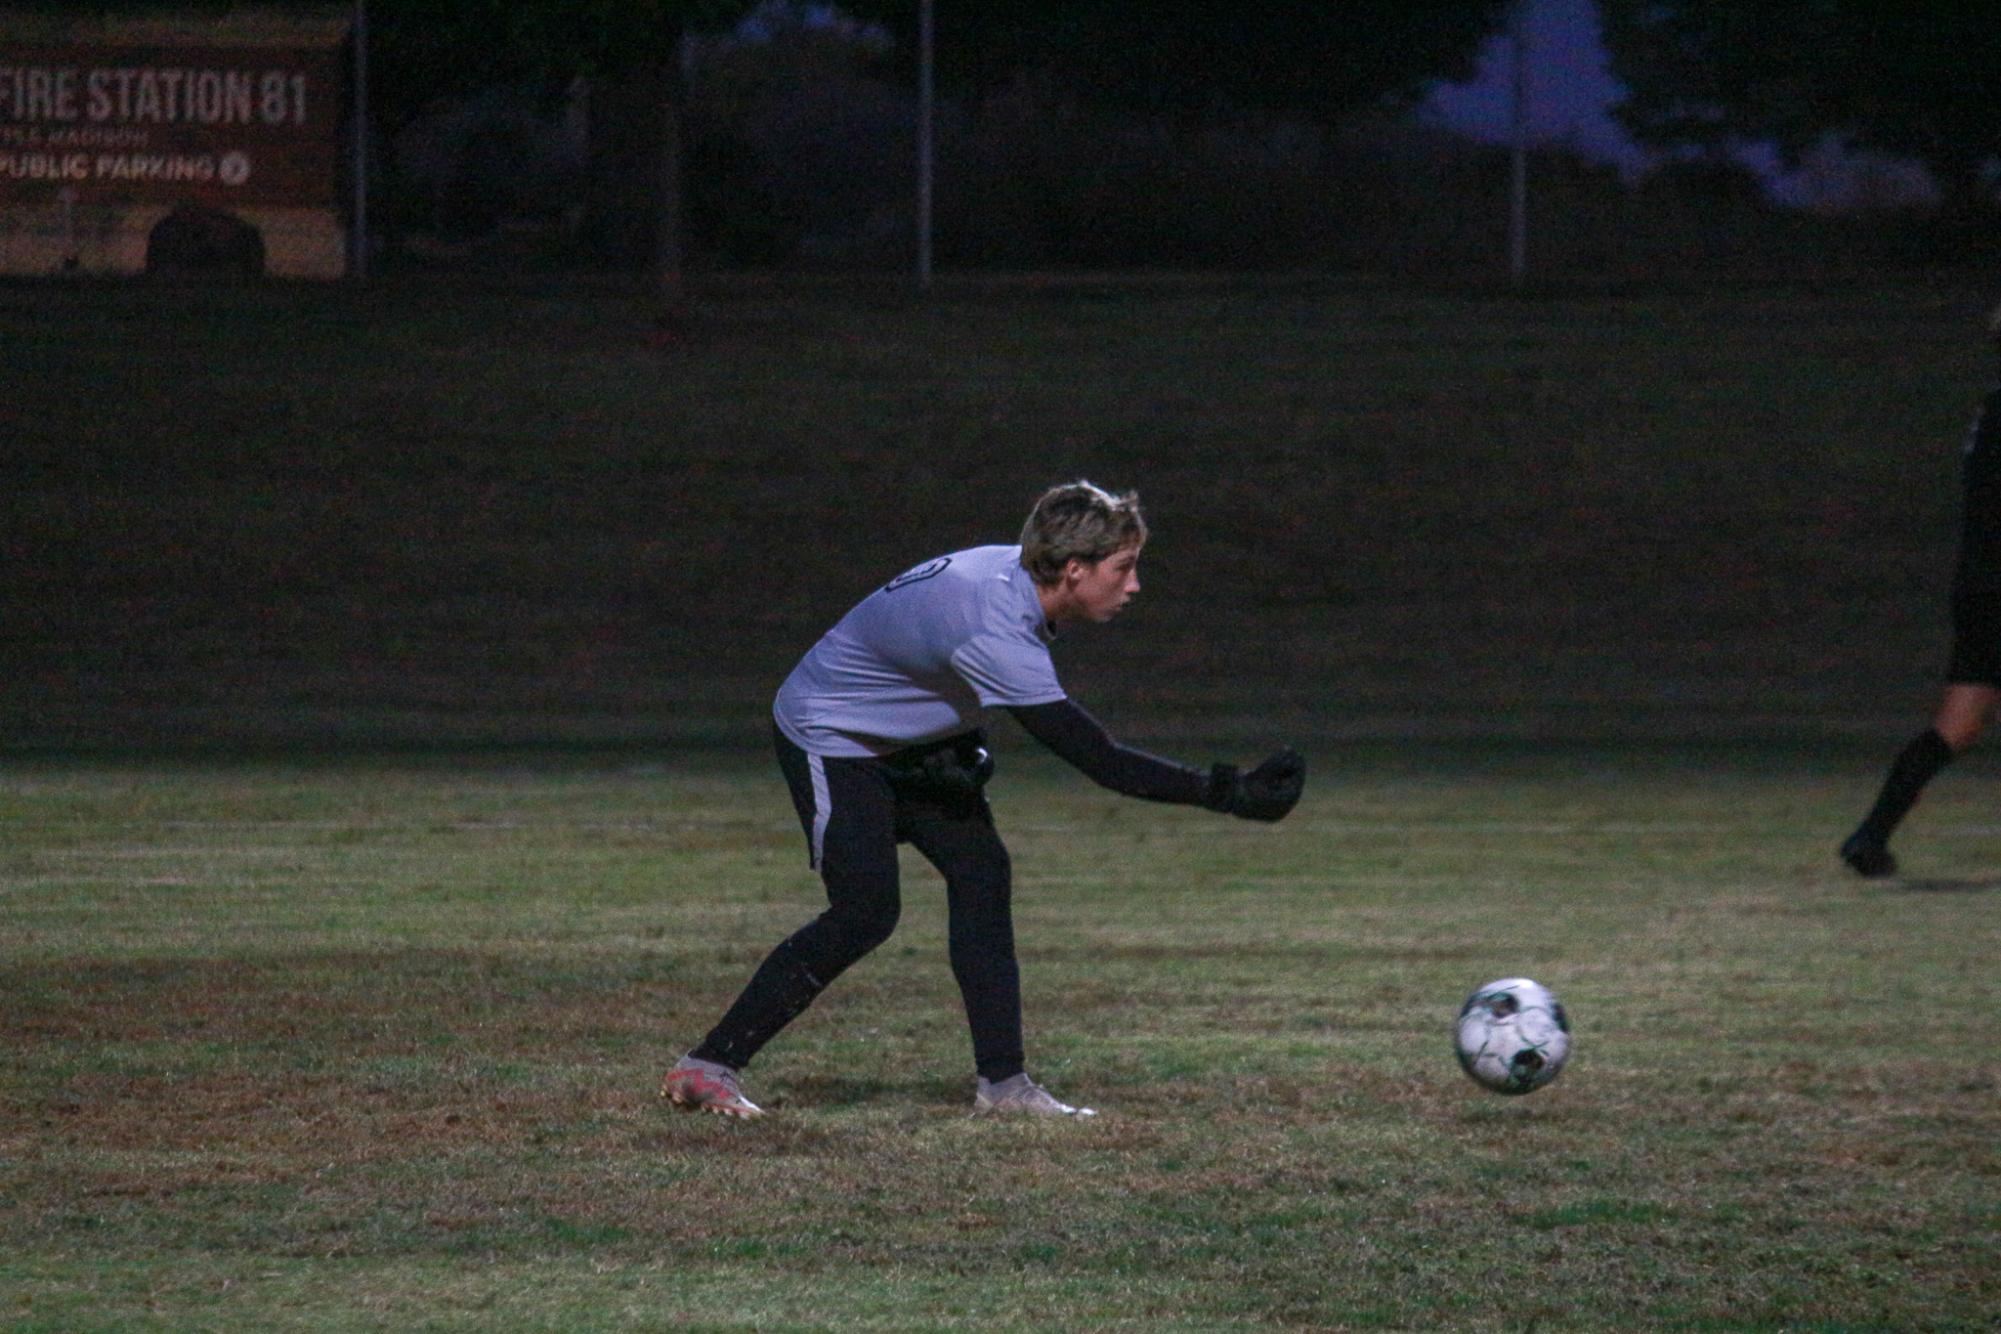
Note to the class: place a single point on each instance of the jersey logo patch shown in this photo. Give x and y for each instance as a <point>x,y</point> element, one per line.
<point>929,569</point>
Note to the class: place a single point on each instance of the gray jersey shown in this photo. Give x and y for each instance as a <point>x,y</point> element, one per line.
<point>922,657</point>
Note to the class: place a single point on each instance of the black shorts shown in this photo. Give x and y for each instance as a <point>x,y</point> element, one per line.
<point>938,781</point>
<point>1976,637</point>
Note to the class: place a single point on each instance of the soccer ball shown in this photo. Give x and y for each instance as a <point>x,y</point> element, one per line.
<point>1513,1036</point>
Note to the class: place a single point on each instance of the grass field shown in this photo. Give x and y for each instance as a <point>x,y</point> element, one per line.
<point>353,1046</point>
<point>384,801</point>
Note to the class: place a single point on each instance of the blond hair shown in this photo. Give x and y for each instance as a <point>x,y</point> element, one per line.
<point>1078,521</point>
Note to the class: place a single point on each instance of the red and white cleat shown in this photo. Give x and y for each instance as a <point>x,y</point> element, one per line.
<point>697,1085</point>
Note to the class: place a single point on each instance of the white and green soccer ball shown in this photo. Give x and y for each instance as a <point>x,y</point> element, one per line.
<point>1513,1036</point>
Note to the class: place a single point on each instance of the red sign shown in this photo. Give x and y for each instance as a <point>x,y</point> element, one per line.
<point>224,126</point>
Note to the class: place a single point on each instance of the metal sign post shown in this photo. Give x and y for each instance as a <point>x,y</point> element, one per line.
<point>1518,182</point>
<point>925,36</point>
<point>358,237</point>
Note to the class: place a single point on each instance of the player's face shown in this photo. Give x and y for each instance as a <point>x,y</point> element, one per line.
<point>1100,589</point>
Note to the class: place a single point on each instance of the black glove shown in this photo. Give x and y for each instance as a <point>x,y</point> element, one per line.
<point>1267,792</point>
<point>952,773</point>
<point>978,761</point>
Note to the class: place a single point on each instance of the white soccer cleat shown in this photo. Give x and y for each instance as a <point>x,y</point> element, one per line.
<point>695,1085</point>
<point>1018,1095</point>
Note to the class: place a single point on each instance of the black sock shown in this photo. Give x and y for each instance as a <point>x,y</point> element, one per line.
<point>1915,766</point>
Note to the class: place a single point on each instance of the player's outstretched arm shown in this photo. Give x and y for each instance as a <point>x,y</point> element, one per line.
<point>1265,793</point>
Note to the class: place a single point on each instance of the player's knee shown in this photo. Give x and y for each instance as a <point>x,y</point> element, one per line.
<point>862,927</point>
<point>985,892</point>
<point>980,908</point>
<point>1961,732</point>
<point>989,876</point>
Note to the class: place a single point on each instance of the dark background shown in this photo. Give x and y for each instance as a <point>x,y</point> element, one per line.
<point>544,479</point>
<point>455,511</point>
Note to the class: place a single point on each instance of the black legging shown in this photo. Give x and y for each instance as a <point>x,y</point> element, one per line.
<point>855,812</point>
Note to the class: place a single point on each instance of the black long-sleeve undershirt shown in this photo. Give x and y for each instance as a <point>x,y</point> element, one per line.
<point>1083,742</point>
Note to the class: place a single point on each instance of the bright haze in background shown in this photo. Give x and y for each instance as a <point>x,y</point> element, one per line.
<point>1570,93</point>
<point>1570,88</point>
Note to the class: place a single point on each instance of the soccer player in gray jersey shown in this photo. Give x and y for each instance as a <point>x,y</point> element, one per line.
<point>1973,670</point>
<point>878,735</point>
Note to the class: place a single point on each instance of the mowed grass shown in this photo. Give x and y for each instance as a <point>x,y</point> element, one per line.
<point>375,1046</point>
<point>1598,610</point>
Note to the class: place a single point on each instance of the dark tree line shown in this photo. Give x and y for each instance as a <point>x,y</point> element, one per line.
<point>1184,60</point>
<point>1915,81</point>
<point>1180,61</point>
